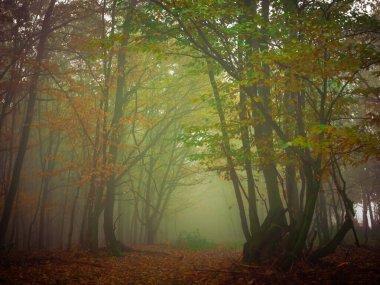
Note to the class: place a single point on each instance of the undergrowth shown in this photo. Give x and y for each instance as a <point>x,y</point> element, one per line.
<point>194,240</point>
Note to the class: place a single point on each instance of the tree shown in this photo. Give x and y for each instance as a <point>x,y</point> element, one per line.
<point>32,92</point>
<point>280,59</point>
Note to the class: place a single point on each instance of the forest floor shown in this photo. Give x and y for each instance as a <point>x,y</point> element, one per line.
<point>159,264</point>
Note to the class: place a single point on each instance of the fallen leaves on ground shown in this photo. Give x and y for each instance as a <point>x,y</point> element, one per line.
<point>158,264</point>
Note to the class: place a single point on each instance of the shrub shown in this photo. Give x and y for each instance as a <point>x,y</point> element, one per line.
<point>194,240</point>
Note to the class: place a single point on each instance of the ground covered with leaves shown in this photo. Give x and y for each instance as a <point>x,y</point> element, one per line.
<point>160,264</point>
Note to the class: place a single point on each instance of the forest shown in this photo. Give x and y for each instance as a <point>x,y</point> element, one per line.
<point>189,142</point>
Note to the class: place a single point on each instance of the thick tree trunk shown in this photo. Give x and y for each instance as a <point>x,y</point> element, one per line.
<point>263,131</point>
<point>264,243</point>
<point>94,204</point>
<point>92,238</point>
<point>292,194</point>
<point>120,101</point>
<point>150,234</point>
<point>262,247</point>
<point>297,238</point>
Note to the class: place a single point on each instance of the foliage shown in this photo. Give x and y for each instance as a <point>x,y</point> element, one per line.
<point>124,105</point>
<point>194,240</point>
<point>292,69</point>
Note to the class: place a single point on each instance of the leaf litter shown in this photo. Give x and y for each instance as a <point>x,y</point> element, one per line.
<point>166,265</point>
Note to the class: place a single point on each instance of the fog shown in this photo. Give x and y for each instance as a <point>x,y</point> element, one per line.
<point>212,210</point>
<point>244,129</point>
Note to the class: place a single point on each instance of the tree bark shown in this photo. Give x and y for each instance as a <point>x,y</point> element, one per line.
<point>292,194</point>
<point>120,102</point>
<point>332,245</point>
<point>298,237</point>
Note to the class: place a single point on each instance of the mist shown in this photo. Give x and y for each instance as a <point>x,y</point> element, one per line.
<point>219,142</point>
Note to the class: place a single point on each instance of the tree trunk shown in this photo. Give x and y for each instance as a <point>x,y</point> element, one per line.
<point>48,165</point>
<point>72,219</point>
<point>370,211</point>
<point>332,245</point>
<point>63,217</point>
<point>245,140</point>
<point>226,147</point>
<point>334,205</point>
<point>297,239</point>
<point>13,188</point>
<point>148,202</point>
<point>365,217</point>
<point>34,219</point>
<point>42,215</point>
<point>292,194</point>
<point>120,102</point>
<point>323,222</point>
<point>94,202</point>
<point>83,228</point>
<point>92,236</point>
<point>302,190</point>
<point>265,242</point>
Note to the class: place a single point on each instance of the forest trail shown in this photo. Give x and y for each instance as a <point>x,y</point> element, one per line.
<point>158,264</point>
